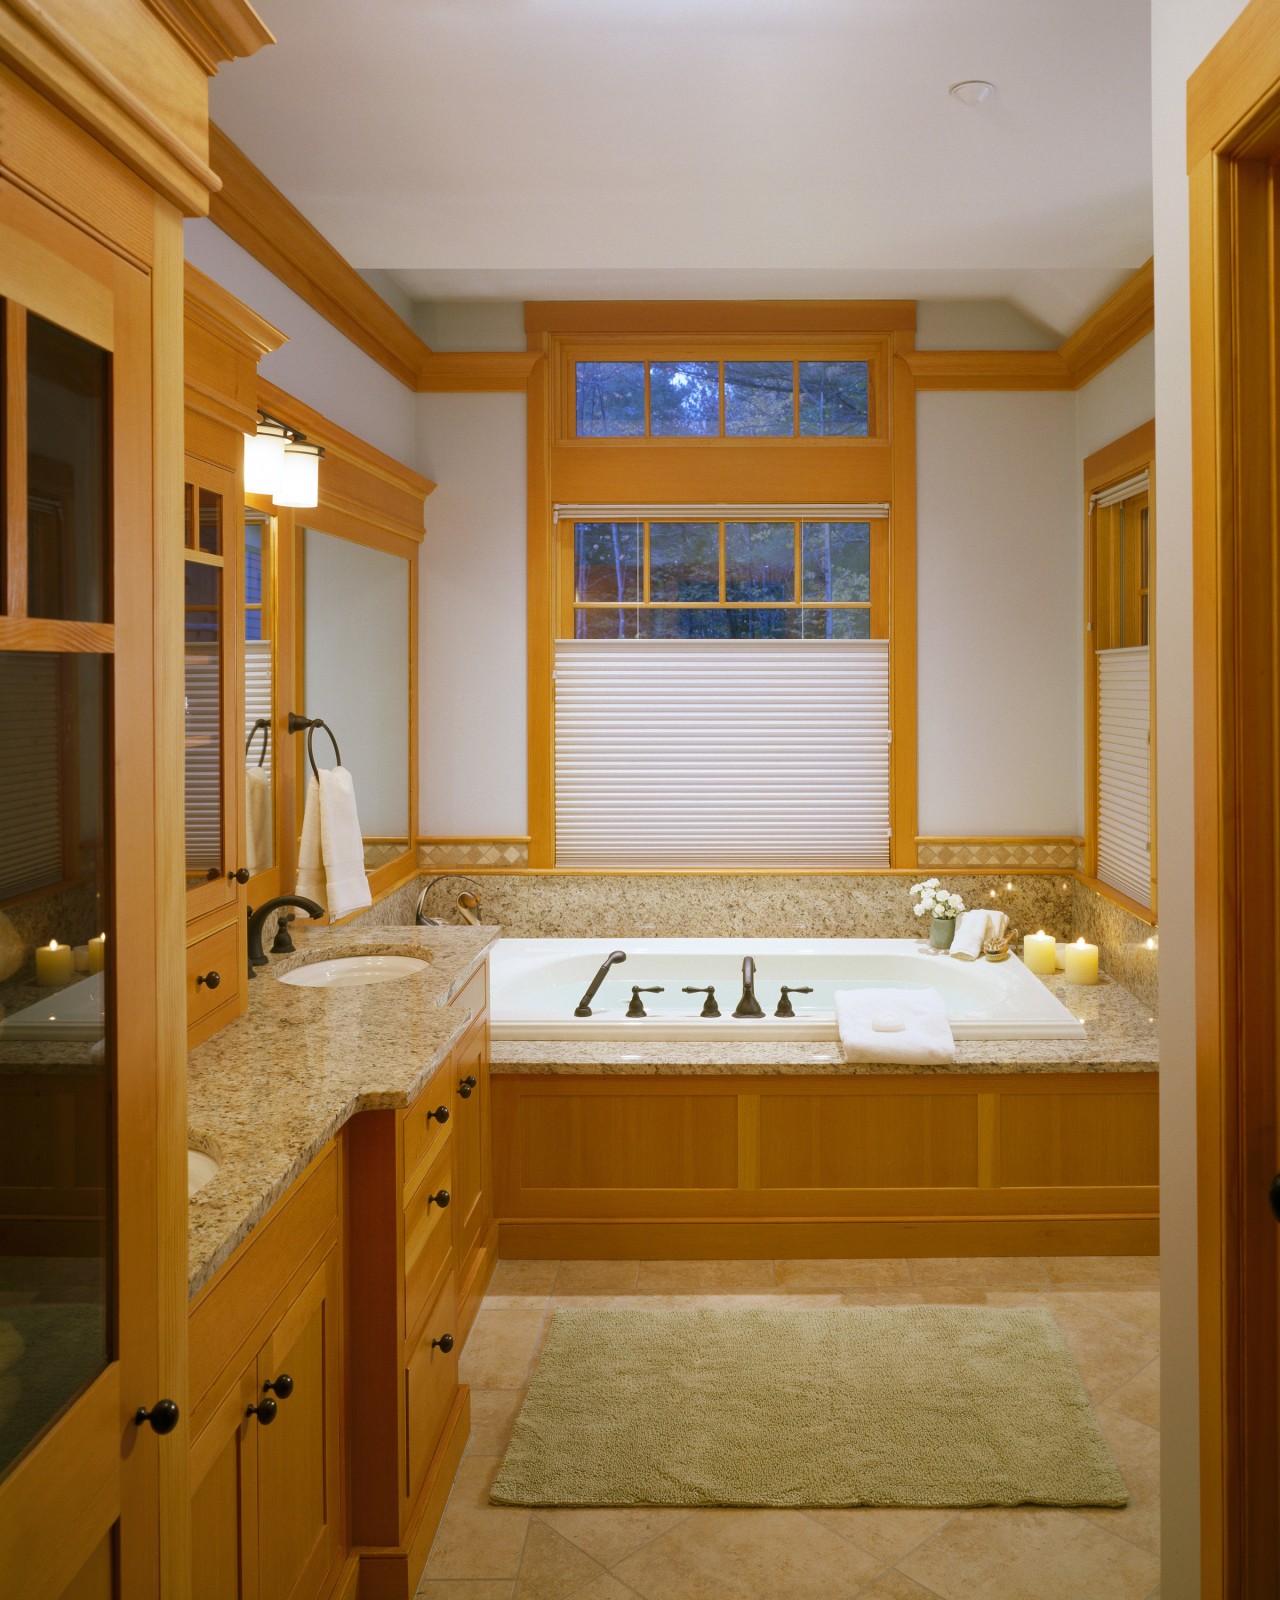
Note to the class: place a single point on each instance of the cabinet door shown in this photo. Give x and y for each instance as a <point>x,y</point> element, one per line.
<point>224,1553</point>
<point>298,1469</point>
<point>471,1068</point>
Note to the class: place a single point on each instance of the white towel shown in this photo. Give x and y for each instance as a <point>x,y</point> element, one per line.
<point>971,930</point>
<point>257,814</point>
<point>342,845</point>
<point>924,1040</point>
<point>310,859</point>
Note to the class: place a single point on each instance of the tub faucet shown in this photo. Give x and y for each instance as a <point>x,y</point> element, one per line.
<point>748,1006</point>
<point>583,1007</point>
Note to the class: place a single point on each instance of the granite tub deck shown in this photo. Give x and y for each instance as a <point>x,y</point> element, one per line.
<point>267,1093</point>
<point>1120,1037</point>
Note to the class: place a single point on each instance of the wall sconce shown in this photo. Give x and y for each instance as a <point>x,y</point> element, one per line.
<point>300,479</point>
<point>264,456</point>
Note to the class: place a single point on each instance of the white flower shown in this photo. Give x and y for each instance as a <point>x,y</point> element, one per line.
<point>918,911</point>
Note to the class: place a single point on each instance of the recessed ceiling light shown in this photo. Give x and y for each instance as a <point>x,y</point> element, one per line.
<point>973,91</point>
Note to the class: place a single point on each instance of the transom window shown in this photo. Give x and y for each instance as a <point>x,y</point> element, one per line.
<point>714,399</point>
<point>782,578</point>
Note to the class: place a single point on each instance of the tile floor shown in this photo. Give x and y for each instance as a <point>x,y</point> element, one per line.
<point>1106,1306</point>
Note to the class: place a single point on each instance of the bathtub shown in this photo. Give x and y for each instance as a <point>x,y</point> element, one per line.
<point>536,983</point>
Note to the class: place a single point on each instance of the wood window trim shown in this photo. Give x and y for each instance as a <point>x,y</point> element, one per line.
<point>865,471</point>
<point>1132,453</point>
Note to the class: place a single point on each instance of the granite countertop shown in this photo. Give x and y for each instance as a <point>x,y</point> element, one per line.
<point>266,1093</point>
<point>1120,1037</point>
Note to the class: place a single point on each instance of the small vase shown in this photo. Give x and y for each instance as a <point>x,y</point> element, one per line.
<point>941,932</point>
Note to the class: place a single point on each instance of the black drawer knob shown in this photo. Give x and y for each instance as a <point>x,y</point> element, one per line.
<point>440,1198</point>
<point>440,1114</point>
<point>211,980</point>
<point>162,1418</point>
<point>283,1386</point>
<point>240,875</point>
<point>265,1411</point>
<point>444,1342</point>
<point>466,1086</point>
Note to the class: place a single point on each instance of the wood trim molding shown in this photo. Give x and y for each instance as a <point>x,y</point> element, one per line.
<point>217,310</point>
<point>253,212</point>
<point>223,341</point>
<point>1117,324</point>
<point>213,31</point>
<point>559,317</point>
<point>477,371</point>
<point>1234,80</point>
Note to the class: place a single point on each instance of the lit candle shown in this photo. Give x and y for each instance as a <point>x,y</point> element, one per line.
<point>1040,952</point>
<point>1081,962</point>
<point>97,952</point>
<point>54,964</point>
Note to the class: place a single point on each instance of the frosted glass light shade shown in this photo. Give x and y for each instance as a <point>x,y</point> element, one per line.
<point>300,480</point>
<point>264,458</point>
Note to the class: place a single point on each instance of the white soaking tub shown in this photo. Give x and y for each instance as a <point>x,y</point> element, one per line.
<point>535,984</point>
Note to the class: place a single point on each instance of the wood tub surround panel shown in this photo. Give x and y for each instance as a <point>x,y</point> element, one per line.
<point>920,1164</point>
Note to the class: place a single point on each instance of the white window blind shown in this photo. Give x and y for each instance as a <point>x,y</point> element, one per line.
<point>1124,771</point>
<point>257,696</point>
<point>722,752</point>
<point>203,809</point>
<point>30,802</point>
<point>1140,483</point>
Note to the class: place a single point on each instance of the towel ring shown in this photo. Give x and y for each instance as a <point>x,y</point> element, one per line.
<point>265,724</point>
<point>297,724</point>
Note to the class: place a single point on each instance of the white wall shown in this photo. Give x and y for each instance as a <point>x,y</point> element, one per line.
<point>999,603</point>
<point>978,325</point>
<point>1183,32</point>
<point>471,324</point>
<point>318,364</point>
<point>471,653</point>
<point>1122,397</point>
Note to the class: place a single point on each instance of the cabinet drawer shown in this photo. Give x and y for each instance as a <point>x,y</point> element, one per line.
<point>474,994</point>
<point>431,1383</point>
<point>422,1134</point>
<point>428,1234</point>
<point>218,955</point>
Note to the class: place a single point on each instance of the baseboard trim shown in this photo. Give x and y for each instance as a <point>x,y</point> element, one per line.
<point>802,1239</point>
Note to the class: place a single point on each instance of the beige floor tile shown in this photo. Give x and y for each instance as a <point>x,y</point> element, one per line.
<point>1107,1353</point>
<point>476,1539</point>
<point>748,1555</point>
<point>596,1277</point>
<point>611,1535</point>
<point>462,1589</point>
<point>840,1274</point>
<point>522,1278</point>
<point>895,1586</point>
<point>886,1534</point>
<point>703,1277</point>
<point>501,1344</point>
<point>493,1415</point>
<point>552,1568</point>
<point>882,1297</point>
<point>1136,1448</point>
<point>606,1588</point>
<point>1140,1397</point>
<point>1028,1554</point>
<point>1140,1308</point>
<point>980,1272</point>
<point>1133,1270</point>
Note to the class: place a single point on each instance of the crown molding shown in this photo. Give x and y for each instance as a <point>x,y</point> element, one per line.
<point>1129,315</point>
<point>217,309</point>
<point>477,371</point>
<point>253,212</point>
<point>213,31</point>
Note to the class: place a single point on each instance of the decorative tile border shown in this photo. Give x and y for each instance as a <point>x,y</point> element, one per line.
<point>1001,855</point>
<point>436,855</point>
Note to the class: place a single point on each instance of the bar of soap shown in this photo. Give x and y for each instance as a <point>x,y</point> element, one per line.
<point>888,1022</point>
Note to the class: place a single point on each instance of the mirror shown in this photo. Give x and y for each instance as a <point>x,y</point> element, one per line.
<point>356,664</point>
<point>259,636</point>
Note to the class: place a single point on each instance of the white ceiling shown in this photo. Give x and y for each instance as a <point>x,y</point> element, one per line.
<point>520,149</point>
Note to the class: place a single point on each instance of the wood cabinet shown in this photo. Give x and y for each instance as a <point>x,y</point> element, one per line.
<point>474,1234</point>
<point>267,1504</point>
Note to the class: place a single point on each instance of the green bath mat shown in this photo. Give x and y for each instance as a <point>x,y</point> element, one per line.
<point>856,1406</point>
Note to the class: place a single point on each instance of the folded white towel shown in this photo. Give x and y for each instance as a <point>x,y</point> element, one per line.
<point>904,1025</point>
<point>310,859</point>
<point>971,930</point>
<point>257,814</point>
<point>342,845</point>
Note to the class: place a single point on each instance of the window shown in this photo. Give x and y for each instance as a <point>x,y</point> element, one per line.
<point>722,399</point>
<point>745,577</point>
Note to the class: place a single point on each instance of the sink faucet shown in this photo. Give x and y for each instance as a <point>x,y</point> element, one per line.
<point>258,920</point>
<point>748,1006</point>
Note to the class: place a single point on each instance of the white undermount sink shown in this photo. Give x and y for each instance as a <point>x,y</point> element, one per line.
<point>353,972</point>
<point>201,1166</point>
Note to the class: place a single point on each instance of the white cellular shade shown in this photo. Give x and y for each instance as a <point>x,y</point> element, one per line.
<point>723,753</point>
<point>1125,490</point>
<point>203,809</point>
<point>30,806</point>
<point>1124,771</point>
<point>257,696</point>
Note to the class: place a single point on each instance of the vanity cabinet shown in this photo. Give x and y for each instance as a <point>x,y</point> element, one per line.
<point>474,1240</point>
<point>267,1514</point>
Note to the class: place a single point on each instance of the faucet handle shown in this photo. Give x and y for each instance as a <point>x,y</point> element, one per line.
<point>636,1008</point>
<point>785,1008</point>
<point>710,1008</point>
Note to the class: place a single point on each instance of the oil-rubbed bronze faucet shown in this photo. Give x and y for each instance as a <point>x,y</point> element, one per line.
<point>258,921</point>
<point>748,1006</point>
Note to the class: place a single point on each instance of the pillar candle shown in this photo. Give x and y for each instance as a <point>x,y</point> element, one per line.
<point>54,964</point>
<point>80,957</point>
<point>1081,962</point>
<point>1040,952</point>
<point>97,952</point>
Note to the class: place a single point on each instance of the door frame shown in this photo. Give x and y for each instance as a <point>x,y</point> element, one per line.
<point>1233,158</point>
